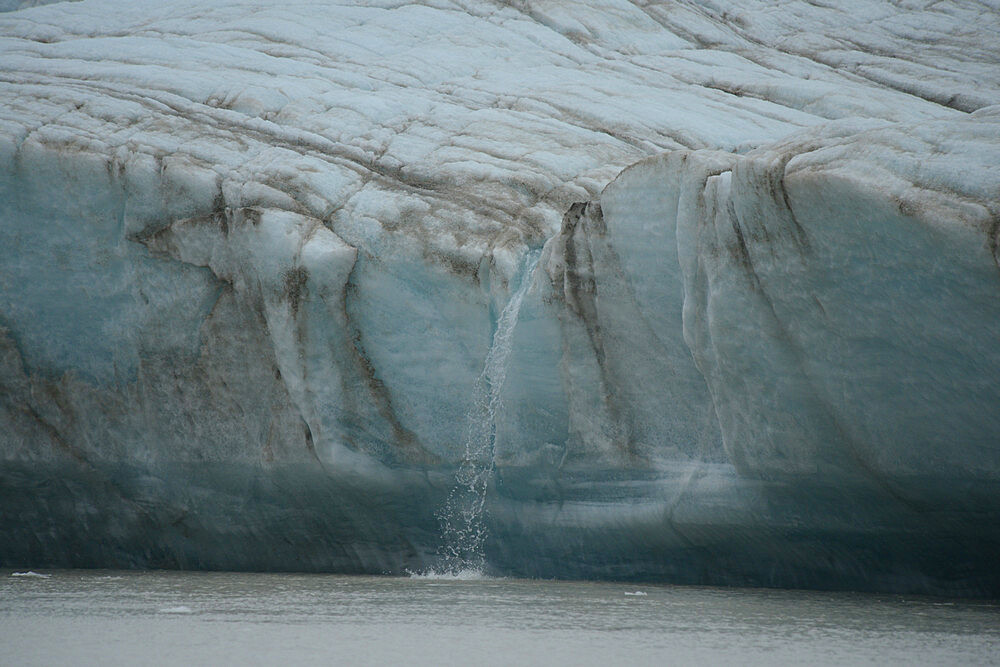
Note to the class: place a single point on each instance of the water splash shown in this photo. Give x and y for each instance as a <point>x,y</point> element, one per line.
<point>445,575</point>
<point>463,516</point>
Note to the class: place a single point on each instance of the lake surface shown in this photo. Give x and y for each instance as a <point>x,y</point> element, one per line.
<point>92,617</point>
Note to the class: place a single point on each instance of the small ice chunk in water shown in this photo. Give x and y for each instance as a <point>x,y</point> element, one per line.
<point>30,574</point>
<point>177,610</point>
<point>635,593</point>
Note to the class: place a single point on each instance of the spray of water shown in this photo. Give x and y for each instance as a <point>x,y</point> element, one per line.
<point>463,516</point>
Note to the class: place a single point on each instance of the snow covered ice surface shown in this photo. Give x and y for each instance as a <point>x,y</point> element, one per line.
<point>253,257</point>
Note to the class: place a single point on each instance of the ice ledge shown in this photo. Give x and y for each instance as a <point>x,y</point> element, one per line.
<point>840,292</point>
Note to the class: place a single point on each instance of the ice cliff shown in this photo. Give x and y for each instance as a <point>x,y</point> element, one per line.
<point>713,287</point>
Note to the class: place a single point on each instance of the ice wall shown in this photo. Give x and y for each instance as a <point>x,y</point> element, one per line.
<point>839,292</point>
<point>252,261</point>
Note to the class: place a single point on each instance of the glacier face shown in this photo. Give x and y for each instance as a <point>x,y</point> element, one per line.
<point>253,260</point>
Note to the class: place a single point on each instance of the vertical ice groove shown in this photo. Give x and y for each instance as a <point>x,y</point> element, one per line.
<point>462,517</point>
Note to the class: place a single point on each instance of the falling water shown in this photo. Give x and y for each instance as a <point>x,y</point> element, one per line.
<point>463,520</point>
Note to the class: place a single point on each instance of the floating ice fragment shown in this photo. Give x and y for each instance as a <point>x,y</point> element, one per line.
<point>177,610</point>
<point>30,574</point>
<point>635,593</point>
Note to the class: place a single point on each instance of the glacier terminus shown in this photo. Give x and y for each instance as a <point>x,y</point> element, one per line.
<point>693,291</point>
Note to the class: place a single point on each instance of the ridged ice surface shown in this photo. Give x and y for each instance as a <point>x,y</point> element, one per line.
<point>254,257</point>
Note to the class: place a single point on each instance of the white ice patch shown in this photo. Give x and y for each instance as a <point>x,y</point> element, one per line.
<point>181,609</point>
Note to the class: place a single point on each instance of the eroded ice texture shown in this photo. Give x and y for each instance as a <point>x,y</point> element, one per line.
<point>253,258</point>
<point>839,292</point>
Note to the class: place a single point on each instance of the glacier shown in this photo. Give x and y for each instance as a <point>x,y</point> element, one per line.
<point>703,292</point>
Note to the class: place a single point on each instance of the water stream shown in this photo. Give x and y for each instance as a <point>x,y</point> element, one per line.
<point>463,520</point>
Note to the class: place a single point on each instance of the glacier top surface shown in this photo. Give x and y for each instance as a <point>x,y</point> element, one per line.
<point>460,128</point>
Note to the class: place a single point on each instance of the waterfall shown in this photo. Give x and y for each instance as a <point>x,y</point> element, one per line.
<point>462,517</point>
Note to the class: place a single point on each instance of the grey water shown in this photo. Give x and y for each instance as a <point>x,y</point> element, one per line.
<point>94,617</point>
